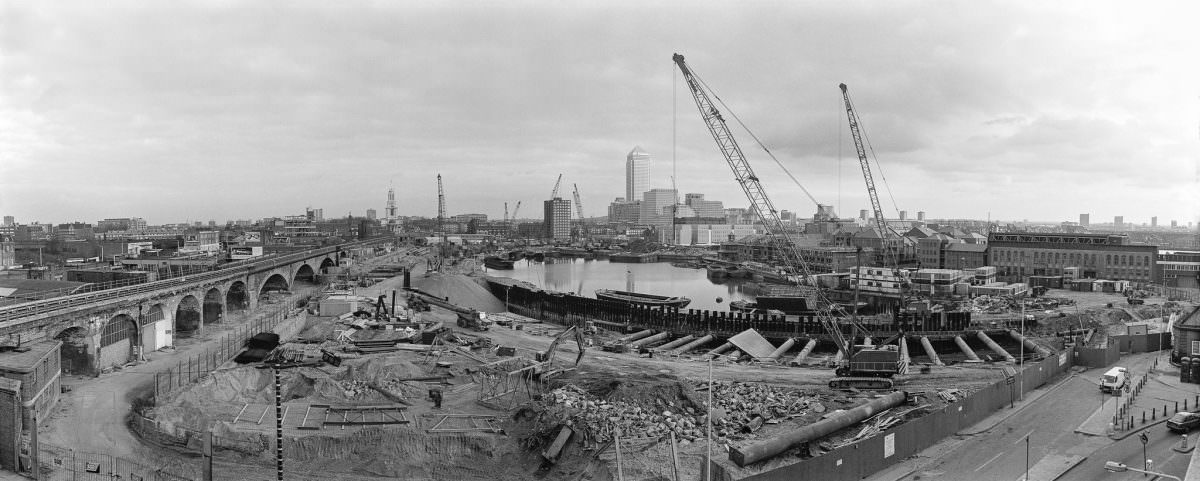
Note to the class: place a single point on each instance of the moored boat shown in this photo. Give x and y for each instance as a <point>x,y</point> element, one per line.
<point>642,298</point>
<point>493,262</point>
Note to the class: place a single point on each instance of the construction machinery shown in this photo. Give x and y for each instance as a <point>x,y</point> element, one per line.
<point>547,358</point>
<point>579,212</point>
<point>467,318</point>
<point>890,254</point>
<point>862,368</point>
<point>441,222</point>
<point>557,183</point>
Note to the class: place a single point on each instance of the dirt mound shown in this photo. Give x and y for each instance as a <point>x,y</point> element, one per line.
<point>462,290</point>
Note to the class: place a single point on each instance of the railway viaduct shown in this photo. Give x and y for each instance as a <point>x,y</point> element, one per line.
<point>110,327</point>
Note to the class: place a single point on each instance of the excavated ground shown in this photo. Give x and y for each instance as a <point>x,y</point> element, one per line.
<point>642,399</point>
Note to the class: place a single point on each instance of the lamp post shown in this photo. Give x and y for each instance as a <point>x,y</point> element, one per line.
<point>1021,360</point>
<point>1115,467</point>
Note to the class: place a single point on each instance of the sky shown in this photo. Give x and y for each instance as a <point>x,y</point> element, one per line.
<point>217,110</point>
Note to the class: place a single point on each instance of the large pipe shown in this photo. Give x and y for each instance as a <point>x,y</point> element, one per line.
<point>719,349</point>
<point>1029,345</point>
<point>676,343</point>
<point>692,345</point>
<point>965,348</point>
<point>838,420</point>
<point>648,340</point>
<point>995,347</point>
<point>782,349</point>
<point>808,348</point>
<point>904,357</point>
<point>635,336</point>
<point>937,361</point>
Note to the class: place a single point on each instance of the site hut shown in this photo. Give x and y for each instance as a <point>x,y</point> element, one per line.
<point>30,384</point>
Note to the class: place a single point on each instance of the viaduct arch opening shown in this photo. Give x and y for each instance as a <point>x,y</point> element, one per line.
<point>187,316</point>
<point>305,275</point>
<point>74,356</point>
<point>119,340</point>
<point>274,284</point>
<point>214,305</point>
<point>237,299</point>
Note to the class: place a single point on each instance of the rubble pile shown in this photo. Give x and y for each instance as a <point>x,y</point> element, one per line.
<point>1002,304</point>
<point>740,410</point>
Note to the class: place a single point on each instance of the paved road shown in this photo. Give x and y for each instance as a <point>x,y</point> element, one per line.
<point>1129,452</point>
<point>1000,453</point>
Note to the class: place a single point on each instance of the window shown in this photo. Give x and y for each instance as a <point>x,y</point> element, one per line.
<point>114,331</point>
<point>1195,348</point>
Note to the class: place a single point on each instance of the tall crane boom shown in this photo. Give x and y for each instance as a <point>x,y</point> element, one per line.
<point>743,173</point>
<point>441,206</point>
<point>578,204</point>
<point>856,133</point>
<point>770,217</point>
<point>506,212</point>
<point>554,193</point>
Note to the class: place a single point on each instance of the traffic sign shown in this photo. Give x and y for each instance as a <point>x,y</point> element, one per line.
<point>1009,381</point>
<point>1143,438</point>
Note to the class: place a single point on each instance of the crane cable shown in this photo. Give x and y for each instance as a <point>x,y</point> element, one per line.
<point>755,137</point>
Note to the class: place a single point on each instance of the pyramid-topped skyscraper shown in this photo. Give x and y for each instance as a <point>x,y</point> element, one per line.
<point>637,174</point>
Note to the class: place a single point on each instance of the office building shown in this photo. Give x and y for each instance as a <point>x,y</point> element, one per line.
<point>904,215</point>
<point>315,215</point>
<point>1084,219</point>
<point>1119,221</point>
<point>862,214</point>
<point>654,202</point>
<point>705,208</point>
<point>1154,221</point>
<point>1017,255</point>
<point>621,211</point>
<point>637,174</point>
<point>557,220</point>
<point>9,220</point>
<point>371,214</point>
<point>1180,268</point>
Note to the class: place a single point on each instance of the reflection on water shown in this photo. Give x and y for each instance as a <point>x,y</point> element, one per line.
<point>586,276</point>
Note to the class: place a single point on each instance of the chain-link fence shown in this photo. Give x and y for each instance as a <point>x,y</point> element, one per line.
<point>59,463</point>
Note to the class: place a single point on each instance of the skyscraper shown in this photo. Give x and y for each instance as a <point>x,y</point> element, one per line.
<point>1084,219</point>
<point>653,203</point>
<point>557,218</point>
<point>1154,221</point>
<point>1119,221</point>
<point>637,174</point>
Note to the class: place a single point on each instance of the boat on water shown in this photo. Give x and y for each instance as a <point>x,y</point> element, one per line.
<point>716,271</point>
<point>641,298</point>
<point>493,262</point>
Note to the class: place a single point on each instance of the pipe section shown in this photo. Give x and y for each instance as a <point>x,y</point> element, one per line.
<point>933,356</point>
<point>1029,345</point>
<point>965,348</point>
<point>995,347</point>
<point>782,349</point>
<point>676,343</point>
<point>768,448</point>
<point>635,336</point>
<point>647,340</point>
<point>719,349</point>
<point>808,348</point>
<point>692,345</point>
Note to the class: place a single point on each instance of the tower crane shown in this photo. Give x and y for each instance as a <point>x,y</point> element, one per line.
<point>513,220</point>
<point>875,365</point>
<point>579,209</point>
<point>890,256</point>
<point>554,193</point>
<point>441,216</point>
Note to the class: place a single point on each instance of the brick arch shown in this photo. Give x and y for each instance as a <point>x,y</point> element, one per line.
<point>212,305</point>
<point>187,316</point>
<point>119,337</point>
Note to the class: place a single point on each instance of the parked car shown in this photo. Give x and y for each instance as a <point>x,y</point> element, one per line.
<point>1183,422</point>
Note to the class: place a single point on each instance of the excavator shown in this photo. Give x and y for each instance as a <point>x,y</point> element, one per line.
<point>547,358</point>
<point>864,368</point>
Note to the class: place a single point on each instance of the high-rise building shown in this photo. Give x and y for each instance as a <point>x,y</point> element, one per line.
<point>1085,219</point>
<point>621,211</point>
<point>904,215</point>
<point>557,219</point>
<point>1119,221</point>
<point>371,214</point>
<point>315,215</point>
<point>637,174</point>
<point>1154,221</point>
<point>862,214</point>
<point>9,220</point>
<point>653,202</point>
<point>1174,224</point>
<point>921,215</point>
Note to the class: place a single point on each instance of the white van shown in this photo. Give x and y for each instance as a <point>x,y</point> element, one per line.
<point>1114,380</point>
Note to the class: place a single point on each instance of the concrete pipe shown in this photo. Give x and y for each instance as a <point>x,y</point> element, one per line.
<point>716,352</point>
<point>904,357</point>
<point>647,340</point>
<point>965,348</point>
<point>933,356</point>
<point>782,349</point>
<point>1029,345</point>
<point>769,448</point>
<point>808,348</point>
<point>995,347</point>
<point>635,336</point>
<point>692,345</point>
<point>676,343</point>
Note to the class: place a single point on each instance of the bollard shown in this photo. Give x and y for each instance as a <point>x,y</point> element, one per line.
<point>1164,410</point>
<point>1143,417</point>
<point>1184,445</point>
<point>1176,406</point>
<point>1153,414</point>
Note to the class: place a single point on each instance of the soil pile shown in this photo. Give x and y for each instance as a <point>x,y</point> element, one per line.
<point>465,291</point>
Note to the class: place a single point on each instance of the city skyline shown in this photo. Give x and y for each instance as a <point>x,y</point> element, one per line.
<point>198,112</point>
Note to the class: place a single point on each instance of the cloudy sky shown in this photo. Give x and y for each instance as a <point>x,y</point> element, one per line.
<point>177,111</point>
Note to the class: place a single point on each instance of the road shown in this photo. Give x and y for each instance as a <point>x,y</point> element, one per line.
<point>1000,453</point>
<point>1129,451</point>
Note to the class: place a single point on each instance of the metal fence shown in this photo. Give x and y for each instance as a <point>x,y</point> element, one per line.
<point>198,366</point>
<point>59,463</point>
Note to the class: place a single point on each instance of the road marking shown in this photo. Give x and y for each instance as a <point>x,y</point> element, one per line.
<point>988,462</point>
<point>1025,436</point>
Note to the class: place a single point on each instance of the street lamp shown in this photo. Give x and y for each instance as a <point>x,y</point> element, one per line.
<point>1115,467</point>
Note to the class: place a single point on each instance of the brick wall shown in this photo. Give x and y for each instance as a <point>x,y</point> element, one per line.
<point>114,354</point>
<point>10,423</point>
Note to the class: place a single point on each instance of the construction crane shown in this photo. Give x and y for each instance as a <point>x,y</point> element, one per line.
<point>554,193</point>
<point>865,362</point>
<point>890,256</point>
<point>579,210</point>
<point>441,219</point>
<point>506,213</point>
<point>513,220</point>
